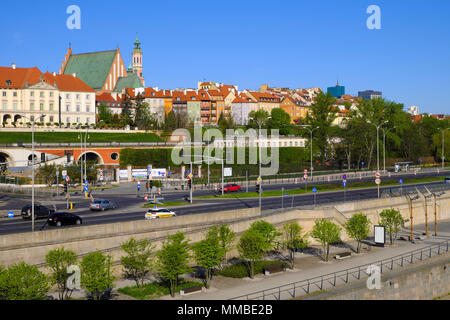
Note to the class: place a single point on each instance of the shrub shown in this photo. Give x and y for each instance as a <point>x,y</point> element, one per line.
<point>240,269</point>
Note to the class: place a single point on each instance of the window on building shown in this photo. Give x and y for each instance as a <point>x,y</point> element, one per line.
<point>88,109</point>
<point>41,107</point>
<point>68,96</point>
<point>4,106</point>
<point>4,93</point>
<point>88,120</point>
<point>14,94</point>
<point>51,94</point>
<point>32,118</point>
<point>31,106</point>
<point>51,118</point>
<point>87,97</point>
<point>78,97</point>
<point>15,106</point>
<point>51,107</point>
<point>68,108</point>
<point>78,108</point>
<point>67,120</point>
<point>42,94</point>
<point>78,120</point>
<point>32,94</point>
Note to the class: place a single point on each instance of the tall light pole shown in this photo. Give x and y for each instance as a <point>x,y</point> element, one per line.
<point>443,154</point>
<point>378,148</point>
<point>81,161</point>
<point>385,132</point>
<point>32,168</point>
<point>260,122</point>
<point>311,130</point>
<point>85,153</point>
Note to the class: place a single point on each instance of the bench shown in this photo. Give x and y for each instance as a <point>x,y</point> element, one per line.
<point>343,255</point>
<point>272,268</point>
<point>190,290</point>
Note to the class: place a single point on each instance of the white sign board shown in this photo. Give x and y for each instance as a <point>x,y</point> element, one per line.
<point>227,172</point>
<point>139,173</point>
<point>379,235</point>
<point>159,173</point>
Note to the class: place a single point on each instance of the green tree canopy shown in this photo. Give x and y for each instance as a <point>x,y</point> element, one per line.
<point>392,220</point>
<point>137,262</point>
<point>326,232</point>
<point>96,275</point>
<point>58,261</point>
<point>252,246</point>
<point>293,239</point>
<point>358,228</point>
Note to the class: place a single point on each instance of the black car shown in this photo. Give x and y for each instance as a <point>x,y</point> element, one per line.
<point>63,218</point>
<point>39,211</point>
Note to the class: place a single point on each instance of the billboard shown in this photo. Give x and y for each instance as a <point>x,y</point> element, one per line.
<point>227,172</point>
<point>139,173</point>
<point>159,173</point>
<point>379,235</point>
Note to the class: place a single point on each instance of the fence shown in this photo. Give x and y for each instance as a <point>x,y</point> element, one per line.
<point>334,279</point>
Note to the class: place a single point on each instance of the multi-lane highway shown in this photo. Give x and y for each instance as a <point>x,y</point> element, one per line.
<point>130,206</point>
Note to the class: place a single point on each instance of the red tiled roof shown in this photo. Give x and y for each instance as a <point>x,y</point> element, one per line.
<point>18,77</point>
<point>105,97</point>
<point>67,82</point>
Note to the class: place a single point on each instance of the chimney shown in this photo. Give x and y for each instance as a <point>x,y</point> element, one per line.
<point>14,66</point>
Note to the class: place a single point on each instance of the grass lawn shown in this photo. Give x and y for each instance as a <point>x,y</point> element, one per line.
<point>66,137</point>
<point>155,289</point>
<point>325,187</point>
<point>240,269</point>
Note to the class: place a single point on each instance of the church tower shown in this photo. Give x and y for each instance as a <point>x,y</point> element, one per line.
<point>137,60</point>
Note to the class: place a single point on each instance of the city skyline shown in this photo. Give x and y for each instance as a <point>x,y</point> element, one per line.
<point>183,44</point>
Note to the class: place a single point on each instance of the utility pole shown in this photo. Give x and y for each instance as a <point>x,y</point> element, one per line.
<point>378,148</point>
<point>443,154</point>
<point>311,130</point>
<point>385,132</point>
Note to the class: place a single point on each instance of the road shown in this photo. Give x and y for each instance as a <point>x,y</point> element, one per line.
<point>130,206</point>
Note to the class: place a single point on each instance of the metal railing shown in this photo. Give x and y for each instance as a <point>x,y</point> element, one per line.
<point>330,280</point>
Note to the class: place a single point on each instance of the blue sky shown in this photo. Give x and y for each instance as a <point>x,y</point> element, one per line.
<point>298,43</point>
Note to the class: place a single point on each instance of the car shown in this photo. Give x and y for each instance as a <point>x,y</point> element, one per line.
<point>63,218</point>
<point>102,205</point>
<point>156,213</point>
<point>231,188</point>
<point>447,180</point>
<point>40,211</point>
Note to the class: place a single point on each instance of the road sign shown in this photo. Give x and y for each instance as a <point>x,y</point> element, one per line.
<point>190,175</point>
<point>400,181</point>
<point>344,177</point>
<point>86,188</point>
<point>305,176</point>
<point>259,179</point>
<point>67,179</point>
<point>64,174</point>
<point>10,214</point>
<point>377,175</point>
<point>305,171</point>
<point>315,190</point>
<point>378,181</point>
<point>146,197</point>
<point>344,183</point>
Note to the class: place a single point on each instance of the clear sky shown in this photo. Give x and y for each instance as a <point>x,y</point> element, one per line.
<point>288,43</point>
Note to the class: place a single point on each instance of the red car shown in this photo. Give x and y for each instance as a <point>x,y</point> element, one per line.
<point>231,188</point>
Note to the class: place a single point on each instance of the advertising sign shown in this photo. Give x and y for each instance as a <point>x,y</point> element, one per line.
<point>139,173</point>
<point>227,172</point>
<point>158,173</point>
<point>379,232</point>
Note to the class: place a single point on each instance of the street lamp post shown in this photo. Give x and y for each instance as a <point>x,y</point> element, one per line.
<point>378,148</point>
<point>311,130</point>
<point>260,121</point>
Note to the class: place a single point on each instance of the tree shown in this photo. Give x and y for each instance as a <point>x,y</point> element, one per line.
<point>58,261</point>
<point>126,117</point>
<point>321,115</point>
<point>281,120</point>
<point>47,173</point>
<point>392,220</point>
<point>104,114</point>
<point>226,239</point>
<point>209,253</point>
<point>170,123</point>
<point>267,231</point>
<point>137,263</point>
<point>96,275</point>
<point>293,239</point>
<point>255,116</point>
<point>173,259</point>
<point>358,228</point>
<point>326,232</point>
<point>252,247</point>
<point>23,282</point>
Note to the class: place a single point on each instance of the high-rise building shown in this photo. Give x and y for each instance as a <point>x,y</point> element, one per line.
<point>336,91</point>
<point>413,110</point>
<point>369,94</point>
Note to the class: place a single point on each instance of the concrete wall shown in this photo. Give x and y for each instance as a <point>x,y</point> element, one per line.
<point>32,248</point>
<point>424,282</point>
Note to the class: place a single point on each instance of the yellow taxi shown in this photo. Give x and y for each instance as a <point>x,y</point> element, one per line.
<point>156,213</point>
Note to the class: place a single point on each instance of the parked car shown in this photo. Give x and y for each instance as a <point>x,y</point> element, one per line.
<point>231,188</point>
<point>447,180</point>
<point>102,205</point>
<point>39,211</point>
<point>156,213</point>
<point>63,218</point>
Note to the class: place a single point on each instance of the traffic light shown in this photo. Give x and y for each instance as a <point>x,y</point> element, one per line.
<point>151,184</point>
<point>257,188</point>
<point>190,183</point>
<point>65,187</point>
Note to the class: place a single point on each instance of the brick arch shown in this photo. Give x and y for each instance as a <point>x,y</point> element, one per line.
<point>101,161</point>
